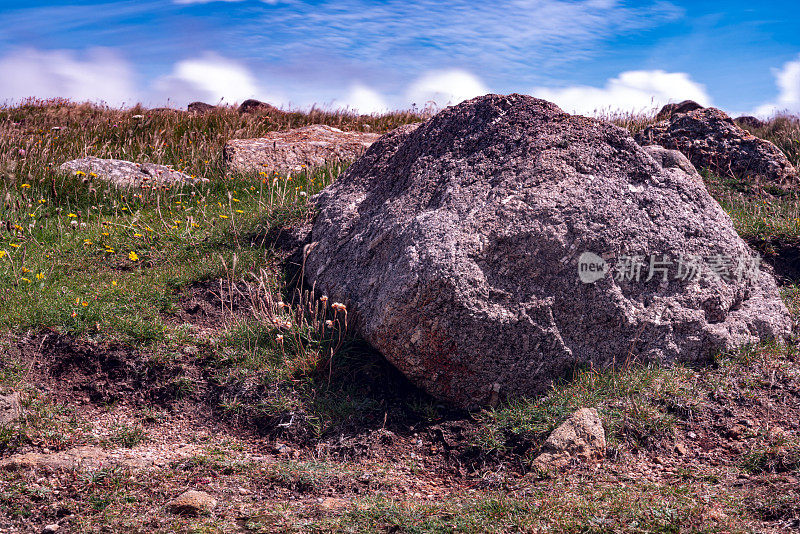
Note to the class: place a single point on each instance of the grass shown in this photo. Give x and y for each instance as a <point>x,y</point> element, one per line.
<point>80,258</point>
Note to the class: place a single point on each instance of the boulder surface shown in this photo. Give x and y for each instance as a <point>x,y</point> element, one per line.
<point>290,150</point>
<point>456,244</point>
<point>127,173</point>
<point>712,140</point>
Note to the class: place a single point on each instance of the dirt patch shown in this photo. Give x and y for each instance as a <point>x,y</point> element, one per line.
<point>99,372</point>
<point>212,304</point>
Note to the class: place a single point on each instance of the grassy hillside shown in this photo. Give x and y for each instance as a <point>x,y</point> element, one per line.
<point>160,327</point>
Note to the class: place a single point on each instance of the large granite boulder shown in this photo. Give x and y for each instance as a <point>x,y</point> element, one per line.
<point>290,150</point>
<point>457,246</point>
<point>712,140</point>
<point>128,173</point>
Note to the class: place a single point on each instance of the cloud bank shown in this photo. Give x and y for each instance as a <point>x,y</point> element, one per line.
<point>787,78</point>
<point>99,74</point>
<point>634,91</point>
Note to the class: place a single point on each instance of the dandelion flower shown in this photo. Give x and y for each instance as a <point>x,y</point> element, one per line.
<point>3,253</point>
<point>71,215</point>
<point>40,276</point>
<point>138,235</point>
<point>25,279</point>
<point>15,245</point>
<point>114,283</point>
<point>224,217</point>
<point>133,256</point>
<point>25,186</point>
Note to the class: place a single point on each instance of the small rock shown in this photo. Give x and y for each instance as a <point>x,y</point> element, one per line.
<point>673,109</point>
<point>10,408</point>
<point>200,107</point>
<point>581,437</point>
<point>192,502</point>
<point>51,528</point>
<point>680,448</point>
<point>691,435</point>
<point>244,491</point>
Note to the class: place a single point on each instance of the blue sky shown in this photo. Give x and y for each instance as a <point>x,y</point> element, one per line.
<point>585,55</point>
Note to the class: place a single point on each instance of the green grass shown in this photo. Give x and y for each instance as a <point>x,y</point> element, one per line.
<point>109,265</point>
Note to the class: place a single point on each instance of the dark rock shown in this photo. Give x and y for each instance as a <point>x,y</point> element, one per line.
<point>200,107</point>
<point>711,140</point>
<point>455,245</point>
<point>674,109</point>
<point>256,106</point>
<point>749,121</point>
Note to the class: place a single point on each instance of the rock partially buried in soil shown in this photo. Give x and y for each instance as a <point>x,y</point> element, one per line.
<point>712,140</point>
<point>581,438</point>
<point>455,245</point>
<point>127,173</point>
<point>10,408</point>
<point>192,502</point>
<point>310,146</point>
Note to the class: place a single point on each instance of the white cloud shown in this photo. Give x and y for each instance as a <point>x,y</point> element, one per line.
<point>445,87</point>
<point>97,75</point>
<point>363,100</point>
<point>788,81</point>
<point>210,78</point>
<point>635,91</point>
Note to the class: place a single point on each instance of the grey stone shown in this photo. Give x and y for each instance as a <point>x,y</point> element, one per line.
<point>711,140</point>
<point>10,408</point>
<point>127,173</point>
<point>290,150</point>
<point>455,245</point>
<point>581,438</point>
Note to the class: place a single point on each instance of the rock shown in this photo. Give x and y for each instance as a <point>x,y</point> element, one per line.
<point>200,107</point>
<point>580,438</point>
<point>165,111</point>
<point>681,449</point>
<point>711,140</point>
<point>10,408</point>
<point>54,527</point>
<point>455,245</point>
<point>127,173</point>
<point>673,109</point>
<point>192,502</point>
<point>311,146</point>
<point>749,121</point>
<point>256,106</point>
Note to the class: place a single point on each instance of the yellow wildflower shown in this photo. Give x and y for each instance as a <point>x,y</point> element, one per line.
<point>133,256</point>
